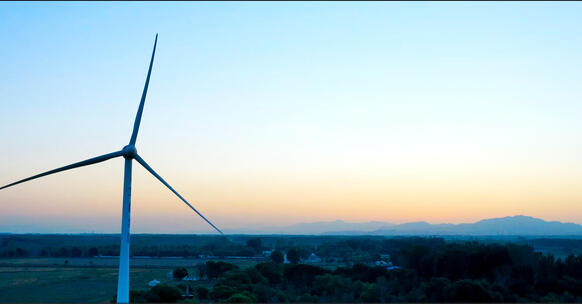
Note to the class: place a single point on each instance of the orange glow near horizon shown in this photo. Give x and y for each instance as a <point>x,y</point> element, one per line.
<point>267,198</point>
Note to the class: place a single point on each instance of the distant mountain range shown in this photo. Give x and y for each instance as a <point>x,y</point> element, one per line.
<point>332,227</point>
<point>509,226</point>
<point>337,226</point>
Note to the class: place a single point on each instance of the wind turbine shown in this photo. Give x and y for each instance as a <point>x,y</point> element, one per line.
<point>128,152</point>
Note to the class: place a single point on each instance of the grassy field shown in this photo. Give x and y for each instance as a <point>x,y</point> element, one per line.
<point>85,280</point>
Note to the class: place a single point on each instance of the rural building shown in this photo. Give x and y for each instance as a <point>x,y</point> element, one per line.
<point>313,258</point>
<point>190,277</point>
<point>383,263</point>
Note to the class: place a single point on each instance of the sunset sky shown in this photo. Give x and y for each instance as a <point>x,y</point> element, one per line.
<point>269,114</point>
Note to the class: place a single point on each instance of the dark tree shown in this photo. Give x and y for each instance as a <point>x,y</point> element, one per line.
<point>293,256</point>
<point>272,271</point>
<point>167,293</point>
<point>76,252</point>
<point>216,269</point>
<point>470,291</point>
<point>93,251</point>
<point>255,244</point>
<point>435,289</point>
<point>20,252</point>
<point>277,256</point>
<point>180,273</point>
<point>302,274</point>
<point>242,297</point>
<point>222,292</point>
<point>202,292</point>
<point>63,252</point>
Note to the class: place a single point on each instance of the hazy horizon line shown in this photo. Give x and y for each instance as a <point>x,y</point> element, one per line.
<point>260,230</point>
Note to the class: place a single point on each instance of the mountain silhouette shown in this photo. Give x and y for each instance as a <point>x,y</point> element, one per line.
<point>509,225</point>
<point>519,225</point>
<point>337,226</point>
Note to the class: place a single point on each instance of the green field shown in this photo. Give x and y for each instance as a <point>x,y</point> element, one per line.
<point>50,280</point>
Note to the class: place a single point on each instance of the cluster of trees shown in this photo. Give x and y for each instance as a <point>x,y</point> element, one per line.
<point>471,271</point>
<point>364,250</point>
<point>331,248</point>
<point>162,293</point>
<point>219,246</point>
<point>142,245</point>
<point>429,272</point>
<point>64,252</point>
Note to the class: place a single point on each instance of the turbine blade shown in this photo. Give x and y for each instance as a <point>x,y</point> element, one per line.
<point>145,165</point>
<point>87,162</point>
<point>143,97</point>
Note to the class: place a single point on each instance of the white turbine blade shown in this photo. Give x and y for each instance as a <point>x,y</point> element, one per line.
<point>145,165</point>
<point>87,162</point>
<point>143,97</point>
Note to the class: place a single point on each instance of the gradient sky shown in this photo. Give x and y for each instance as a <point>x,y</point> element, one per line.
<point>269,114</point>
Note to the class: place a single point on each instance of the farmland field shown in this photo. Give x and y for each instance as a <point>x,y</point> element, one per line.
<point>82,279</point>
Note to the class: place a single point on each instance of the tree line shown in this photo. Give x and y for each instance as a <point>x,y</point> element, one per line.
<point>343,249</point>
<point>429,272</point>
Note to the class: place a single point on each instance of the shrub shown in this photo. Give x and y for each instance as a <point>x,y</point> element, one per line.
<point>277,257</point>
<point>180,273</point>
<point>293,256</point>
<point>243,297</point>
<point>167,293</point>
<point>202,292</point>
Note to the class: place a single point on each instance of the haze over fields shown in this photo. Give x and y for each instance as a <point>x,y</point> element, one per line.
<point>507,226</point>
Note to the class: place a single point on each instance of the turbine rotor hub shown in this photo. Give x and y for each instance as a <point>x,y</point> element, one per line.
<point>129,151</point>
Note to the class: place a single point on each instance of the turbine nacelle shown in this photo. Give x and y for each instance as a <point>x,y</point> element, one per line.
<point>129,152</point>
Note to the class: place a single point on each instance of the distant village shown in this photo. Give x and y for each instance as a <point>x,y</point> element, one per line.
<point>182,274</point>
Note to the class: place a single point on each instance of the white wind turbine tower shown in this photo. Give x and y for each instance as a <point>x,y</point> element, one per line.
<point>129,153</point>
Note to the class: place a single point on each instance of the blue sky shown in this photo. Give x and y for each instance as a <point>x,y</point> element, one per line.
<point>273,113</point>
